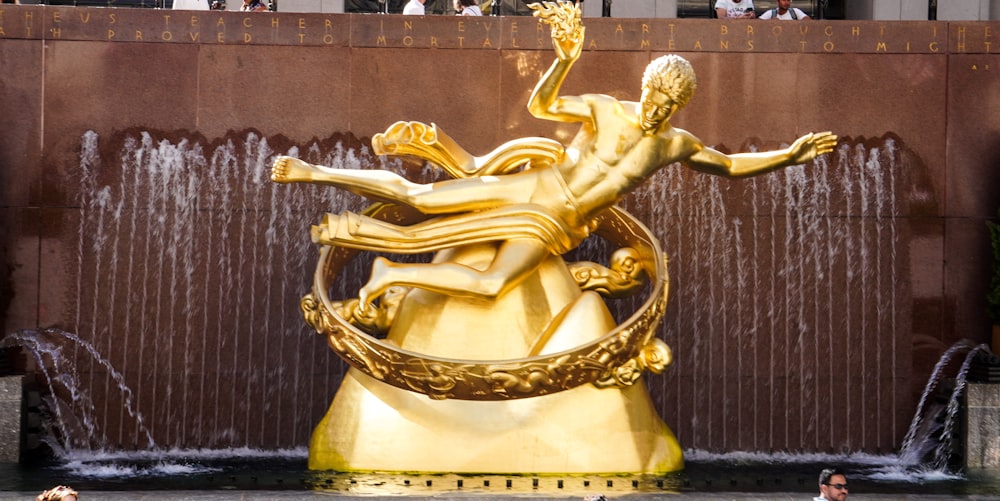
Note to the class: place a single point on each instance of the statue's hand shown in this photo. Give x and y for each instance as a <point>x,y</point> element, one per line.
<point>567,27</point>
<point>811,146</point>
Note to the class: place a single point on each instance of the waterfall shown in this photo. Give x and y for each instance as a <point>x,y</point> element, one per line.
<point>189,264</point>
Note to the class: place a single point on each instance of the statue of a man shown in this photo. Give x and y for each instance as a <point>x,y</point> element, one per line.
<point>545,209</point>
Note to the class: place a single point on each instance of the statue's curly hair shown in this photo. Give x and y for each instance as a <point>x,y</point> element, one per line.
<point>57,493</point>
<point>672,75</point>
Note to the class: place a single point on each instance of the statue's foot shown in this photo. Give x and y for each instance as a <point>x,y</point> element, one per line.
<point>377,284</point>
<point>291,170</point>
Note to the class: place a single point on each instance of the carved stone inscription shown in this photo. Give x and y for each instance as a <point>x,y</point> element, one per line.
<point>517,32</point>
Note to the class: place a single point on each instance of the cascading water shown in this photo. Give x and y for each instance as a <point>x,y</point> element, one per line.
<point>189,264</point>
<point>930,441</point>
<point>73,411</point>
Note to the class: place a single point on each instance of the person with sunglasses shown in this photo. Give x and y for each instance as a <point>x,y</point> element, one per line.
<point>832,485</point>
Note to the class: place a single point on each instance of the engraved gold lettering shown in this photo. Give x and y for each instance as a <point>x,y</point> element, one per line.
<point>461,26</point>
<point>487,43</point>
<point>723,30</point>
<point>112,19</point>
<point>828,46</point>
<point>408,41</point>
<point>513,27</point>
<point>166,36</point>
<point>513,43</point>
<point>724,44</point>
<point>274,22</point>
<point>670,29</point>
<point>408,25</point>
<point>55,17</point>
<point>166,20</point>
<point>194,21</point>
<point>987,32</point>
<point>749,44</point>
<point>880,47</point>
<point>697,44</point>
<point>986,45</point>
<point>220,23</point>
<point>434,41</point>
<point>670,44</point>
<point>856,31</point>
<point>328,24</point>
<point>803,28</point>
<point>246,37</point>
<point>593,44</point>
<point>776,30</point>
<point>380,40</point>
<point>111,34</point>
<point>802,46</point>
<point>828,31</point>
<point>220,37</point>
<point>461,41</point>
<point>302,23</point>
<point>247,23</point>
<point>194,36</point>
<point>56,32</point>
<point>85,17</point>
<point>750,29</point>
<point>302,38</point>
<point>881,31</point>
<point>907,46</point>
<point>644,44</point>
<point>138,35</point>
<point>645,28</point>
<point>618,29</point>
<point>327,39</point>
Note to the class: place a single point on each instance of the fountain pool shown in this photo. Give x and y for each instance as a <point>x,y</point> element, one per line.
<point>249,474</point>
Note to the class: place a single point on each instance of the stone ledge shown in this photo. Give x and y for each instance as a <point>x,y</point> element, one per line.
<point>10,418</point>
<point>982,425</point>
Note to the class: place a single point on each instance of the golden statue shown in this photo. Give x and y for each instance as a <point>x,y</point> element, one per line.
<point>529,372</point>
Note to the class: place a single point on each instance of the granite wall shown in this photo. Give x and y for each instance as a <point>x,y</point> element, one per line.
<point>147,257</point>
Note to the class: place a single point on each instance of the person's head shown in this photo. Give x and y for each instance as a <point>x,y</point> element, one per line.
<point>667,86</point>
<point>466,3</point>
<point>833,484</point>
<point>58,493</point>
<point>783,6</point>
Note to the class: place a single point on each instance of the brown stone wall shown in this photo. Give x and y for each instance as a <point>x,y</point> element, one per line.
<point>808,306</point>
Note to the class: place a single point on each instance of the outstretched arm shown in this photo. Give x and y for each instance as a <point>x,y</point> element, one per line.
<point>801,151</point>
<point>567,40</point>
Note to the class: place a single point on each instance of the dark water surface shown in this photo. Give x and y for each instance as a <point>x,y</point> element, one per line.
<point>249,474</point>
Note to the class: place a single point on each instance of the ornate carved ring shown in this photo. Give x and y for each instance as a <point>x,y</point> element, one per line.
<point>617,358</point>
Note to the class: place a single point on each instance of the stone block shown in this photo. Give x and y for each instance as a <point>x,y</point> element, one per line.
<point>324,6</point>
<point>964,10</point>
<point>10,418</point>
<point>982,426</point>
<point>643,8</point>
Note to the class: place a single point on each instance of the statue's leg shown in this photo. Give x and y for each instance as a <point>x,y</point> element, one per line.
<point>443,197</point>
<point>514,261</point>
<point>369,183</point>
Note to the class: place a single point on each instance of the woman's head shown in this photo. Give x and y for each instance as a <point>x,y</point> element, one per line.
<point>58,493</point>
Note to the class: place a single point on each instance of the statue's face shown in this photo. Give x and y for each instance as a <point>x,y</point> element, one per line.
<point>657,107</point>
